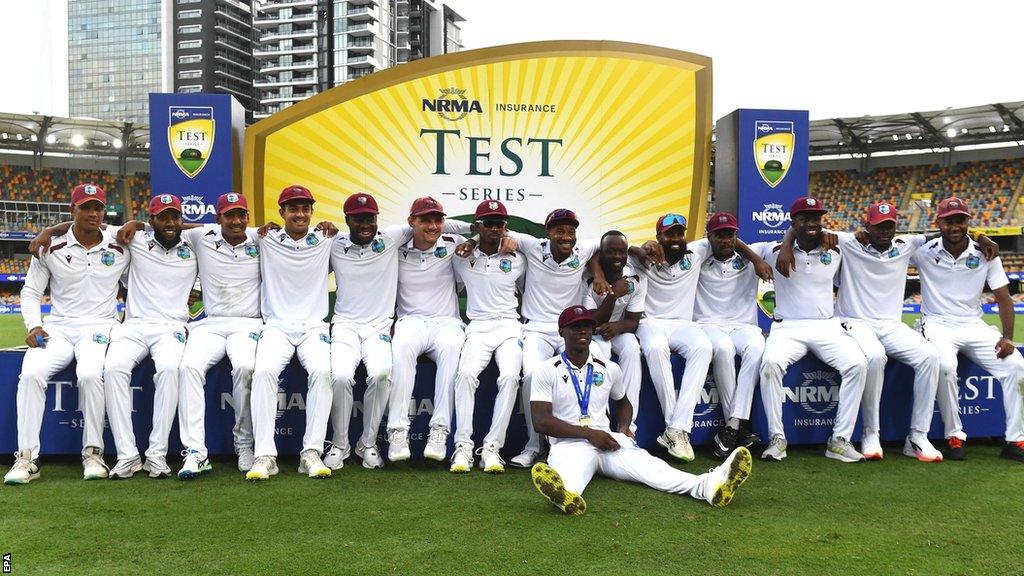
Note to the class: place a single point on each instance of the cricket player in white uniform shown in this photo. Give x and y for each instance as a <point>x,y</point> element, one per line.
<point>954,272</point>
<point>554,281</point>
<point>229,274</point>
<point>726,311</point>
<point>618,312</point>
<point>162,274</point>
<point>428,323</point>
<point>491,278</point>
<point>570,405</point>
<point>805,321</point>
<point>294,263</point>
<point>81,268</point>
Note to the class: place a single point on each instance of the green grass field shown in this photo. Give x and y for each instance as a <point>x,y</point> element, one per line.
<point>807,515</point>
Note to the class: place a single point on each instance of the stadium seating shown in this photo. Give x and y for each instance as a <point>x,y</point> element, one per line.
<point>987,186</point>
<point>847,193</point>
<point>13,265</point>
<point>25,184</point>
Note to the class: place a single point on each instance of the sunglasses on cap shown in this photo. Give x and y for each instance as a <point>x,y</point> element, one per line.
<point>492,222</point>
<point>673,220</point>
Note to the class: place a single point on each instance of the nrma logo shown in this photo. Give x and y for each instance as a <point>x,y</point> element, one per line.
<point>709,399</point>
<point>452,104</point>
<point>817,394</point>
<point>194,208</point>
<point>772,215</point>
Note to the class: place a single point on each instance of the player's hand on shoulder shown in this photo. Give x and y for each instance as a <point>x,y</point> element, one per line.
<point>40,244</point>
<point>654,254</point>
<point>602,440</point>
<point>988,247</point>
<point>508,245</point>
<point>268,228</point>
<point>620,288</point>
<point>764,271</point>
<point>127,232</point>
<point>328,228</point>
<point>466,248</point>
<point>861,236</point>
<point>1004,348</point>
<point>829,241</point>
<point>36,337</point>
<point>785,261</point>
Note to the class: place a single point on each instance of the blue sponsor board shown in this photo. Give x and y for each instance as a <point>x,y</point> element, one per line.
<point>12,277</point>
<point>1018,308</point>
<point>44,309</point>
<point>16,235</point>
<point>809,406</point>
<point>195,146</point>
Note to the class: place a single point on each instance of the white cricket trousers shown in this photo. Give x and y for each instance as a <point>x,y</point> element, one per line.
<point>441,340</point>
<point>484,338</point>
<point>627,351</point>
<point>541,341</point>
<point>273,352</point>
<point>352,343</point>
<point>976,340</point>
<point>658,340</point>
<point>86,343</point>
<point>130,342</point>
<point>729,340</point>
<point>209,340</point>
<point>880,340</point>
<point>576,461</point>
<point>789,341</point>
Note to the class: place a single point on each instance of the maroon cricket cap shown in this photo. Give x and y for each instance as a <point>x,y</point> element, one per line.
<point>426,205</point>
<point>574,314</point>
<point>295,192</point>
<point>951,207</point>
<point>561,215</point>
<point>491,209</point>
<point>722,221</point>
<point>88,192</point>
<point>668,221</point>
<point>881,212</point>
<point>162,202</point>
<point>361,203</point>
<point>231,201</point>
<point>807,204</point>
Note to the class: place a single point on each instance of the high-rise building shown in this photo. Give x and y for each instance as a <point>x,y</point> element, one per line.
<point>213,44</point>
<point>117,54</point>
<point>304,47</point>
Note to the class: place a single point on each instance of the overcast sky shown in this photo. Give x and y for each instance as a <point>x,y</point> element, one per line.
<point>832,58</point>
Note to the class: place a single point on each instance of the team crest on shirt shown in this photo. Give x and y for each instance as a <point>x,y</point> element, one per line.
<point>598,379</point>
<point>894,252</point>
<point>325,338</point>
<point>440,252</point>
<point>100,338</point>
<point>973,262</point>
<point>255,336</point>
<point>184,253</point>
<point>179,336</point>
<point>386,338</point>
<point>505,265</point>
<point>825,258</point>
<point>685,263</point>
<point>575,262</point>
<point>377,245</point>
<point>107,258</point>
<point>630,287</point>
<point>312,240</point>
<point>252,250</point>
<point>739,264</point>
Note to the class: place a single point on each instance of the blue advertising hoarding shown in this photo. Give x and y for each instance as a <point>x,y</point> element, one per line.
<point>195,149</point>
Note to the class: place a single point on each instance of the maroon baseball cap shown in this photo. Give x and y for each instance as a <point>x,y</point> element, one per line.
<point>722,221</point>
<point>426,205</point>
<point>951,207</point>
<point>491,209</point>
<point>162,202</point>
<point>670,220</point>
<point>561,215</point>
<point>574,314</point>
<point>881,212</point>
<point>807,204</point>
<point>295,192</point>
<point>86,193</point>
<point>361,203</point>
<point>231,201</point>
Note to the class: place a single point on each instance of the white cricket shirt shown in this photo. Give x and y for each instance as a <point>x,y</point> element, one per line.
<point>551,383</point>
<point>672,288</point>
<point>490,283</point>
<point>159,279</point>
<point>229,275</point>
<point>872,283</point>
<point>951,287</point>
<point>633,301</point>
<point>552,286</point>
<point>294,276</point>
<point>807,293</point>
<point>83,282</point>
<point>426,279</point>
<point>727,290</point>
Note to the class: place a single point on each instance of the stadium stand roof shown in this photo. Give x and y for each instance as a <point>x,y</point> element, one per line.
<point>935,131</point>
<point>51,134</point>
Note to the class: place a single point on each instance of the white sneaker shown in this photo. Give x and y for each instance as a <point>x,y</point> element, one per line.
<point>157,467</point>
<point>311,465</point>
<point>263,467</point>
<point>370,455</point>
<point>678,443</point>
<point>918,446</point>
<point>462,459</point>
<point>490,460</point>
<point>93,467</point>
<point>124,469</point>
<point>776,449</point>
<point>525,459</point>
<point>24,470</point>
<point>398,445</point>
<point>245,459</point>
<point>437,444</point>
<point>193,465</point>
<point>334,456</point>
<point>841,449</point>
<point>721,482</point>
<point>871,446</point>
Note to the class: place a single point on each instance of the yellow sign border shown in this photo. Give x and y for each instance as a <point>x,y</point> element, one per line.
<point>256,135</point>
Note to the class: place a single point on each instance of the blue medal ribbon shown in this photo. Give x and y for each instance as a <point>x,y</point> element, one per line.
<point>582,396</point>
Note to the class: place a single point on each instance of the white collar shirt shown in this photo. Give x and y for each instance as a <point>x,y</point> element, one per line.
<point>727,289</point>
<point>552,286</point>
<point>552,383</point>
<point>426,279</point>
<point>160,279</point>
<point>294,274</point>
<point>490,282</point>
<point>672,288</point>
<point>807,293</point>
<point>634,300</point>
<point>228,275</point>
<point>872,283</point>
<point>951,287</point>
